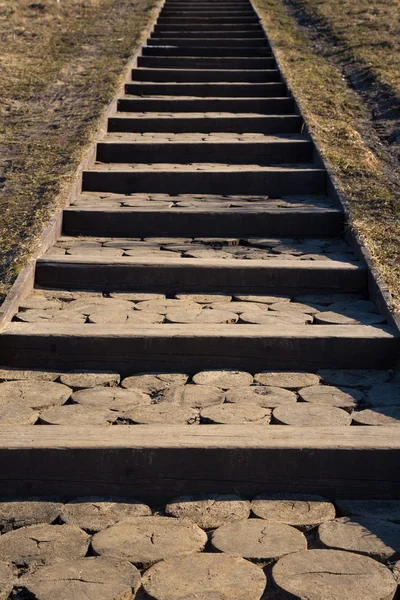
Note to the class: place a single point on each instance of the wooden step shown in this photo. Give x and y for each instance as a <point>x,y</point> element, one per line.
<point>191,348</point>
<point>208,27</point>
<point>160,462</point>
<point>212,179</point>
<point>265,106</point>
<point>208,20</point>
<point>204,123</point>
<point>174,275</point>
<point>263,150</point>
<point>205,75</point>
<point>204,90</point>
<point>212,49</point>
<point>247,221</point>
<point>193,62</point>
<point>234,41</point>
<point>220,35</point>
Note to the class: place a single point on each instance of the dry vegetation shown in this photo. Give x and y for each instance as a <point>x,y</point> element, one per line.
<point>60,62</point>
<point>341,59</point>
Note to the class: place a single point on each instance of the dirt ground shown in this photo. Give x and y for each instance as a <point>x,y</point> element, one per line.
<point>341,60</point>
<point>61,61</point>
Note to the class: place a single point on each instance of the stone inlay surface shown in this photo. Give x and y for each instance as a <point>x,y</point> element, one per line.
<point>112,548</point>
<point>134,310</point>
<point>208,397</point>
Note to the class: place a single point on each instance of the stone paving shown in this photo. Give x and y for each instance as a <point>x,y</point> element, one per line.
<point>136,309</point>
<point>327,398</point>
<point>198,201</point>
<point>206,546</point>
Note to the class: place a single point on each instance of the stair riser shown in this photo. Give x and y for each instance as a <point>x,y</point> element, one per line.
<point>126,464</point>
<point>262,106</point>
<point>206,13</point>
<point>165,62</point>
<point>196,224</point>
<point>289,124</point>
<point>192,353</point>
<point>204,91</point>
<point>235,41</point>
<point>200,182</point>
<point>205,76</point>
<point>194,21</point>
<point>224,153</point>
<point>185,275</point>
<point>209,27</point>
<point>219,35</point>
<point>209,52</point>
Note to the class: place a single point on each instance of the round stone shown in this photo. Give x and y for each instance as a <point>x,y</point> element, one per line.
<point>300,510</point>
<point>142,317</point>
<point>373,537</point>
<point>205,577</point>
<point>77,414</point>
<point>274,318</point>
<point>43,544</point>
<point>223,379</point>
<point>290,380</point>
<point>387,394</point>
<point>209,511</point>
<point>151,383</point>
<point>17,414</point>
<point>88,379</point>
<point>92,578</point>
<point>34,394</point>
<point>236,414</point>
<point>387,510</point>
<point>261,298</point>
<point>257,540</point>
<point>163,413</point>
<point>332,575</point>
<point>146,540</point>
<point>8,576</point>
<point>96,513</point>
<point>326,299</point>
<point>136,297</point>
<point>163,306</point>
<point>295,307</point>
<point>16,374</point>
<point>60,316</point>
<point>349,318</point>
<point>262,395</point>
<point>345,306</point>
<point>347,398</point>
<point>38,302</point>
<point>194,396</point>
<point>385,415</point>
<point>360,378</point>
<point>105,315</point>
<point>110,398</point>
<point>21,513</point>
<point>203,298</point>
<point>310,415</point>
<point>200,315</point>
<point>240,307</point>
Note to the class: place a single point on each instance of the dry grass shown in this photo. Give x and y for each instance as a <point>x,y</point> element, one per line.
<point>60,63</point>
<point>312,58</point>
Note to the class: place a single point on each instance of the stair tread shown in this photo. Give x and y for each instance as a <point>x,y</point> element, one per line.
<point>201,167</point>
<point>196,115</point>
<point>203,138</point>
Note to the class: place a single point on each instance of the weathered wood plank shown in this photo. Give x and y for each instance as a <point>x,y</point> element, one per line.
<point>149,461</point>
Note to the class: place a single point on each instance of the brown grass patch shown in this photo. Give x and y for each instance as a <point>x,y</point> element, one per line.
<point>315,40</point>
<point>60,63</point>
